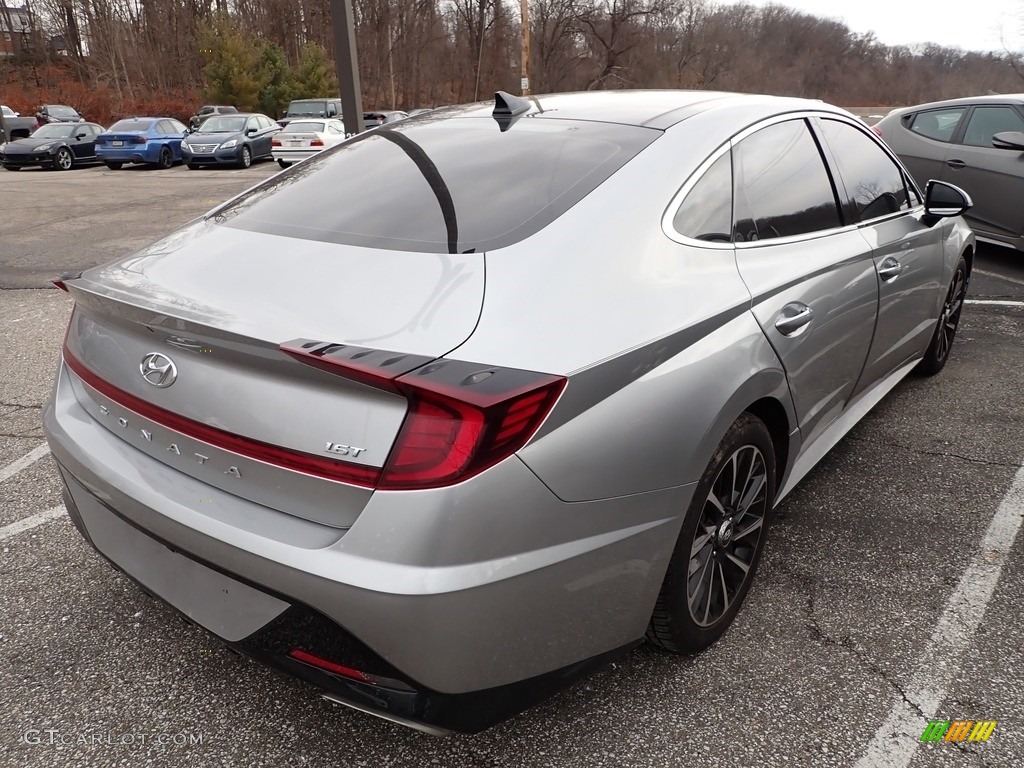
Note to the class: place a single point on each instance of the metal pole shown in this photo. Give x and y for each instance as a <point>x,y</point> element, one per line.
<point>343,21</point>
<point>524,82</point>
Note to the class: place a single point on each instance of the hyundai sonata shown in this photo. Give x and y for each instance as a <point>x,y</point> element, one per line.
<point>523,401</point>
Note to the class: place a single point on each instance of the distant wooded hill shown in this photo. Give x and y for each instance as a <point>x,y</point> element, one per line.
<point>112,57</point>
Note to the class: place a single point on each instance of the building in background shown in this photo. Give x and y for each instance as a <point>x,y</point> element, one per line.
<point>15,29</point>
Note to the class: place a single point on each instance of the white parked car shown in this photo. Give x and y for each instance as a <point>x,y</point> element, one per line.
<point>304,138</point>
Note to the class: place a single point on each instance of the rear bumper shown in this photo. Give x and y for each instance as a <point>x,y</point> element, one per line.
<point>137,153</point>
<point>294,155</point>
<point>476,596</point>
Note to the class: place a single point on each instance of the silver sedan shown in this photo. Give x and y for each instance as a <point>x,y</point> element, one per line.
<point>529,398</point>
<point>304,138</point>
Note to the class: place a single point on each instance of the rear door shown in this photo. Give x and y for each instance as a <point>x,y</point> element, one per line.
<point>907,254</point>
<point>812,278</point>
<point>994,178</point>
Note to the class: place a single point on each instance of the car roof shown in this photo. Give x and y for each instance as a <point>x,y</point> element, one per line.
<point>991,98</point>
<point>650,108</point>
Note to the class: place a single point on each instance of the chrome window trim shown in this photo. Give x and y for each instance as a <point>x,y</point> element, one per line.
<point>673,234</point>
<point>908,179</point>
<point>677,200</point>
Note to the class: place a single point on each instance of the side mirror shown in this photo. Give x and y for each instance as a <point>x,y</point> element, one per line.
<point>251,131</point>
<point>942,200</point>
<point>81,135</point>
<point>1009,140</point>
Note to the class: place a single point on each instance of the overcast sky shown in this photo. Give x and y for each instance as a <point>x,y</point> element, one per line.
<point>974,25</point>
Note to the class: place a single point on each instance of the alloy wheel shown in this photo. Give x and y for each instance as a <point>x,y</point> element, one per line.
<point>725,542</point>
<point>63,159</point>
<point>951,313</point>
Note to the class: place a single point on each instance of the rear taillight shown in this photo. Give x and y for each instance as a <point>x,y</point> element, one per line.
<point>275,142</point>
<point>100,140</point>
<point>877,132</point>
<point>316,143</point>
<point>463,417</point>
<point>139,140</point>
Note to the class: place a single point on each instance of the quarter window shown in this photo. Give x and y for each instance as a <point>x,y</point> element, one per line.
<point>938,124</point>
<point>874,183</point>
<point>986,122</point>
<point>706,212</point>
<point>782,187</point>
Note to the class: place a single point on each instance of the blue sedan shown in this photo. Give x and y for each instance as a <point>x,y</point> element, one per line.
<point>150,140</point>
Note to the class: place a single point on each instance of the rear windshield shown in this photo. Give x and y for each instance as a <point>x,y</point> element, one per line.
<point>318,108</point>
<point>305,126</point>
<point>441,186</point>
<point>130,125</point>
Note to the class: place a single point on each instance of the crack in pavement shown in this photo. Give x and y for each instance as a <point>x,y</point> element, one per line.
<point>942,454</point>
<point>819,634</point>
<point>23,406</point>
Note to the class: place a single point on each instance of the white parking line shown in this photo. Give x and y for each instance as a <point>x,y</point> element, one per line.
<point>896,740</point>
<point>30,522</point>
<point>995,302</point>
<point>1001,277</point>
<point>25,461</point>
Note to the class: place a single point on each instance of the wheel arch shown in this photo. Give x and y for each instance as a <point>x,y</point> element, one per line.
<point>774,416</point>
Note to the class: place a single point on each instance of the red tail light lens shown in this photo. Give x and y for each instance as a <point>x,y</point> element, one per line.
<point>275,142</point>
<point>316,143</point>
<point>463,417</point>
<point>139,140</point>
<point>342,670</point>
<point>877,132</point>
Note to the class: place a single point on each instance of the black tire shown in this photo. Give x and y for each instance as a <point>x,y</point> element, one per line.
<point>245,159</point>
<point>114,166</point>
<point>63,160</point>
<point>723,535</point>
<point>949,320</point>
<point>284,164</point>
<point>193,166</point>
<point>166,159</point>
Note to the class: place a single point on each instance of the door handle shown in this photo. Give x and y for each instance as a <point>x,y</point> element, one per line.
<point>889,269</point>
<point>956,164</point>
<point>793,319</point>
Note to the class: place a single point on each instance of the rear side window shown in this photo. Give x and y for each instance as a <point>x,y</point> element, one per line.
<point>874,183</point>
<point>938,124</point>
<point>706,211</point>
<point>986,122</point>
<point>441,186</point>
<point>782,187</point>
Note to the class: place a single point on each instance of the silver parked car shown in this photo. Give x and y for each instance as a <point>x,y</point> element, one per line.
<point>976,143</point>
<point>527,399</point>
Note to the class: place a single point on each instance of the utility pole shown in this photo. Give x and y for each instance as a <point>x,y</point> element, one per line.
<point>343,22</point>
<point>524,82</point>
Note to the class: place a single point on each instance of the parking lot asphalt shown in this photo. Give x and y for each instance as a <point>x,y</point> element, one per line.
<point>889,593</point>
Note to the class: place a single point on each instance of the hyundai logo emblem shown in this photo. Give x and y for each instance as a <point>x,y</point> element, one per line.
<point>158,370</point>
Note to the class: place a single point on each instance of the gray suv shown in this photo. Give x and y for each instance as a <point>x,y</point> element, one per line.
<point>207,111</point>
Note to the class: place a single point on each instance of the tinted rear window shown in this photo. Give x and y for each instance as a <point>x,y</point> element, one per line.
<point>130,125</point>
<point>441,186</point>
